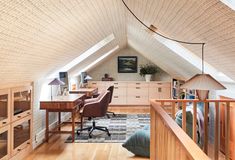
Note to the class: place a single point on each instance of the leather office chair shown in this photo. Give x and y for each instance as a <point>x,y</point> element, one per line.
<point>95,108</point>
<point>110,100</point>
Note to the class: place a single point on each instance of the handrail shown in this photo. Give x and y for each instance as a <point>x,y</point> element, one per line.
<point>194,100</point>
<point>164,131</point>
<point>170,106</point>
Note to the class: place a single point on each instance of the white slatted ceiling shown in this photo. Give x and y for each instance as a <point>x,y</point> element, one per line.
<point>38,36</point>
<point>207,21</point>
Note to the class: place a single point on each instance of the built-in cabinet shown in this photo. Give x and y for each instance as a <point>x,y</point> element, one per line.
<point>15,122</point>
<point>134,92</point>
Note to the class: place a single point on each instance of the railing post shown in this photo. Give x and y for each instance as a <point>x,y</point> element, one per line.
<point>206,126</point>
<point>216,151</point>
<point>195,122</point>
<point>153,134</point>
<point>184,116</point>
<point>227,130</point>
<point>173,110</point>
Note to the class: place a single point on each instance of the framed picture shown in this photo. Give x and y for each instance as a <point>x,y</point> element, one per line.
<point>127,64</point>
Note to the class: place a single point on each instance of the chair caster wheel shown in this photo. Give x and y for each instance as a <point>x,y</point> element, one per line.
<point>78,133</point>
<point>109,134</point>
<point>90,136</point>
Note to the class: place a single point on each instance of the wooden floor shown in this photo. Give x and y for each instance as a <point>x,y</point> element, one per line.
<point>56,149</point>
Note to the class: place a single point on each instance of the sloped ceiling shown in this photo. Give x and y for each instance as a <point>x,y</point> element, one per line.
<point>39,36</point>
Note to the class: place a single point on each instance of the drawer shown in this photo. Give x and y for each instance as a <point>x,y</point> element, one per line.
<point>138,100</point>
<point>119,91</point>
<point>118,100</point>
<point>118,84</point>
<point>159,84</point>
<point>137,91</point>
<point>138,84</point>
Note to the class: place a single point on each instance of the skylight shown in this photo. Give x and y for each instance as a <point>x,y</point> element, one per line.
<point>84,55</point>
<point>192,58</point>
<point>229,3</point>
<point>97,60</point>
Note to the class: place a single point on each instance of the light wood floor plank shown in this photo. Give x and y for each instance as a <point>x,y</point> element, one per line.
<point>57,149</point>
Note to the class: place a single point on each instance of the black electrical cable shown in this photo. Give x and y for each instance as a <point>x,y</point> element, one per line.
<point>179,41</point>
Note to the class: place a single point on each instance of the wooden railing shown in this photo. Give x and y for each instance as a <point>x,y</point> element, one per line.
<point>169,141</point>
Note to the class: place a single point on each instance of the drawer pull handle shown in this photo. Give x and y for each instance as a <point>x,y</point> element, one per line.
<point>28,113</point>
<point>115,97</point>
<point>137,96</point>
<point>93,83</point>
<point>4,122</point>
<point>115,87</point>
<point>159,89</point>
<point>28,142</point>
<point>137,87</point>
<point>115,83</point>
<point>138,83</point>
<point>18,116</point>
<point>19,149</point>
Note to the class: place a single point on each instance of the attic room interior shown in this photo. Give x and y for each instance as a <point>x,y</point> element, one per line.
<point>117,79</point>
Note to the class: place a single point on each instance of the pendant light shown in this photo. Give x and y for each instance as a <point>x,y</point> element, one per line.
<point>202,83</point>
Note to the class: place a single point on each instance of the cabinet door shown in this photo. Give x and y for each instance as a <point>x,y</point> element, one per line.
<point>21,102</point>
<point>4,107</point>
<point>5,142</point>
<point>21,135</point>
<point>153,90</point>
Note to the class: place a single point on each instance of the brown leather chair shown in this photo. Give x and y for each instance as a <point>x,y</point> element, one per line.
<point>110,100</point>
<point>95,108</point>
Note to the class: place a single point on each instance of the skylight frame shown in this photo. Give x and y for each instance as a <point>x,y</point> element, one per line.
<point>229,3</point>
<point>85,55</point>
<point>97,60</point>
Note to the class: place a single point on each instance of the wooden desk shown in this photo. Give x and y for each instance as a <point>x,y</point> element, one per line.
<point>60,104</point>
<point>89,92</point>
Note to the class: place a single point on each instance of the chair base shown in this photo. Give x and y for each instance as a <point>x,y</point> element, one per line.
<point>108,112</point>
<point>92,128</point>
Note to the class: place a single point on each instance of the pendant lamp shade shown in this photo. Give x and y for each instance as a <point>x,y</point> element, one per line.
<point>203,82</point>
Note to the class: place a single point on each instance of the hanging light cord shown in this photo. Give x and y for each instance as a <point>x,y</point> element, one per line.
<point>179,41</point>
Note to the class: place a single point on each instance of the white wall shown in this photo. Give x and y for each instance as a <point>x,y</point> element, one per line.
<point>110,66</point>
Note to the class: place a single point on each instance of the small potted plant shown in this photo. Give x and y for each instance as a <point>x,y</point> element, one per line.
<point>147,71</point>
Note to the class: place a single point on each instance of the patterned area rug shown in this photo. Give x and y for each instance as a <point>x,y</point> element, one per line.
<point>120,127</point>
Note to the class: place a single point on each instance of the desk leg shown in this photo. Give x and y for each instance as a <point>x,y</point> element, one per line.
<point>73,125</point>
<point>59,120</point>
<point>47,126</point>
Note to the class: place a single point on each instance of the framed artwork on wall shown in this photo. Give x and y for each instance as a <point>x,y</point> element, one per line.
<point>127,64</point>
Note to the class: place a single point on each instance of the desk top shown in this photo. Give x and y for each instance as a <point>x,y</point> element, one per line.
<point>84,90</point>
<point>69,98</point>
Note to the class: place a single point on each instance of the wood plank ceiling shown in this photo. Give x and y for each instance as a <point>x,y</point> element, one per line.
<point>40,36</point>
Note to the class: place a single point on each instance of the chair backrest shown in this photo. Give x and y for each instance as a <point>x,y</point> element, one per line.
<point>97,108</point>
<point>110,89</point>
